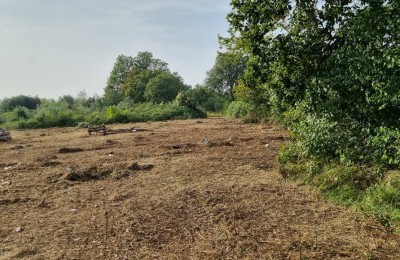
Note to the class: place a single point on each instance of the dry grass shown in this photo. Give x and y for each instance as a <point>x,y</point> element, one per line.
<point>165,194</point>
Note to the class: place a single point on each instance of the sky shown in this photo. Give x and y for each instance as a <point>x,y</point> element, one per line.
<point>51,48</point>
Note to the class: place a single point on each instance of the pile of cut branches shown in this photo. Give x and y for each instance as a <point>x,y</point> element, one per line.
<point>4,136</point>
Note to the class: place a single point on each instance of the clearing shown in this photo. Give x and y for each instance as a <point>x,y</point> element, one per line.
<point>191,189</point>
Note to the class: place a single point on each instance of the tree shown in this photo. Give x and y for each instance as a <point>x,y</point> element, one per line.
<point>130,76</point>
<point>112,92</point>
<point>226,72</point>
<point>120,71</point>
<point>135,85</point>
<point>111,96</point>
<point>206,98</point>
<point>318,50</point>
<point>8,104</point>
<point>333,63</point>
<point>145,61</point>
<point>164,87</point>
<point>68,99</point>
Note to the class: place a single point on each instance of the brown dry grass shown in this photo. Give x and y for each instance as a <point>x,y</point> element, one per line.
<point>165,194</point>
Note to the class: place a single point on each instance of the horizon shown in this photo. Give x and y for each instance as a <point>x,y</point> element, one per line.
<point>50,49</point>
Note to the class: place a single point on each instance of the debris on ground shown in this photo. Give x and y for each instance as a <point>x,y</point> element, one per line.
<point>4,135</point>
<point>70,150</point>
<point>19,229</point>
<point>91,173</point>
<point>102,129</point>
<point>137,167</point>
<point>97,129</point>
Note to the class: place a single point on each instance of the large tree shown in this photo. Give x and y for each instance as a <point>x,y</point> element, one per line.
<point>130,76</point>
<point>120,71</point>
<point>227,70</point>
<point>335,63</point>
<point>345,52</point>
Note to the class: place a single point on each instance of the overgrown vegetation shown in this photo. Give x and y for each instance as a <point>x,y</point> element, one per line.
<point>60,114</point>
<point>330,72</point>
<point>138,89</point>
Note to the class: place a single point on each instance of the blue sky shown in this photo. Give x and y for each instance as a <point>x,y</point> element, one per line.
<point>51,48</point>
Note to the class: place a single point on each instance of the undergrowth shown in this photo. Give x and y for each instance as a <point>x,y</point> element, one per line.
<point>60,115</point>
<point>374,190</point>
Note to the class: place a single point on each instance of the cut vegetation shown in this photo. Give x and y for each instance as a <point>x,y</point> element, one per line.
<point>167,193</point>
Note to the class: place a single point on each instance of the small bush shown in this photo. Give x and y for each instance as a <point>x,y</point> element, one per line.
<point>238,109</point>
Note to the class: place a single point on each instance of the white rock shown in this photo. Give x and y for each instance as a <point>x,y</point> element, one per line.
<point>19,229</point>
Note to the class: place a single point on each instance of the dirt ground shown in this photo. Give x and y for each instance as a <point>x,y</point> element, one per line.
<point>191,189</point>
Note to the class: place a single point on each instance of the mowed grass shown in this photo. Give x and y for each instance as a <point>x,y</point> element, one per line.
<point>192,189</point>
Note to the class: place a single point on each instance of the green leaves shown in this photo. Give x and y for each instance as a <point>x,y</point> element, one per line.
<point>142,78</point>
<point>227,70</point>
<point>334,62</point>
<point>163,88</point>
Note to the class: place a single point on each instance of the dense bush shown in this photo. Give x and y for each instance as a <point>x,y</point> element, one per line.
<point>238,109</point>
<point>53,114</point>
<point>206,98</point>
<point>145,112</point>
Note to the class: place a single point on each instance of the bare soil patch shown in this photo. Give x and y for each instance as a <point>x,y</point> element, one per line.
<point>181,190</point>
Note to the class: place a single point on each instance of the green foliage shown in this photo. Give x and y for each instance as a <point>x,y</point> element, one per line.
<point>8,104</point>
<point>18,113</point>
<point>164,87</point>
<point>385,146</point>
<point>145,61</point>
<point>52,114</point>
<point>248,112</point>
<point>120,71</point>
<point>111,97</point>
<point>226,72</point>
<point>374,191</point>
<point>56,114</point>
<point>135,85</point>
<point>142,78</point>
<point>206,98</point>
<point>184,99</point>
<point>330,71</point>
<point>115,114</point>
<point>369,189</point>
<point>70,100</point>
<point>238,109</point>
<point>144,112</point>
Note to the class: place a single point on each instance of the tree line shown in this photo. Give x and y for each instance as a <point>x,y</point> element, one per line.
<point>139,88</point>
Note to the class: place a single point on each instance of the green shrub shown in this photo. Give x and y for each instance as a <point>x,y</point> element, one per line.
<point>144,112</point>
<point>238,109</point>
<point>385,146</point>
<point>115,114</point>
